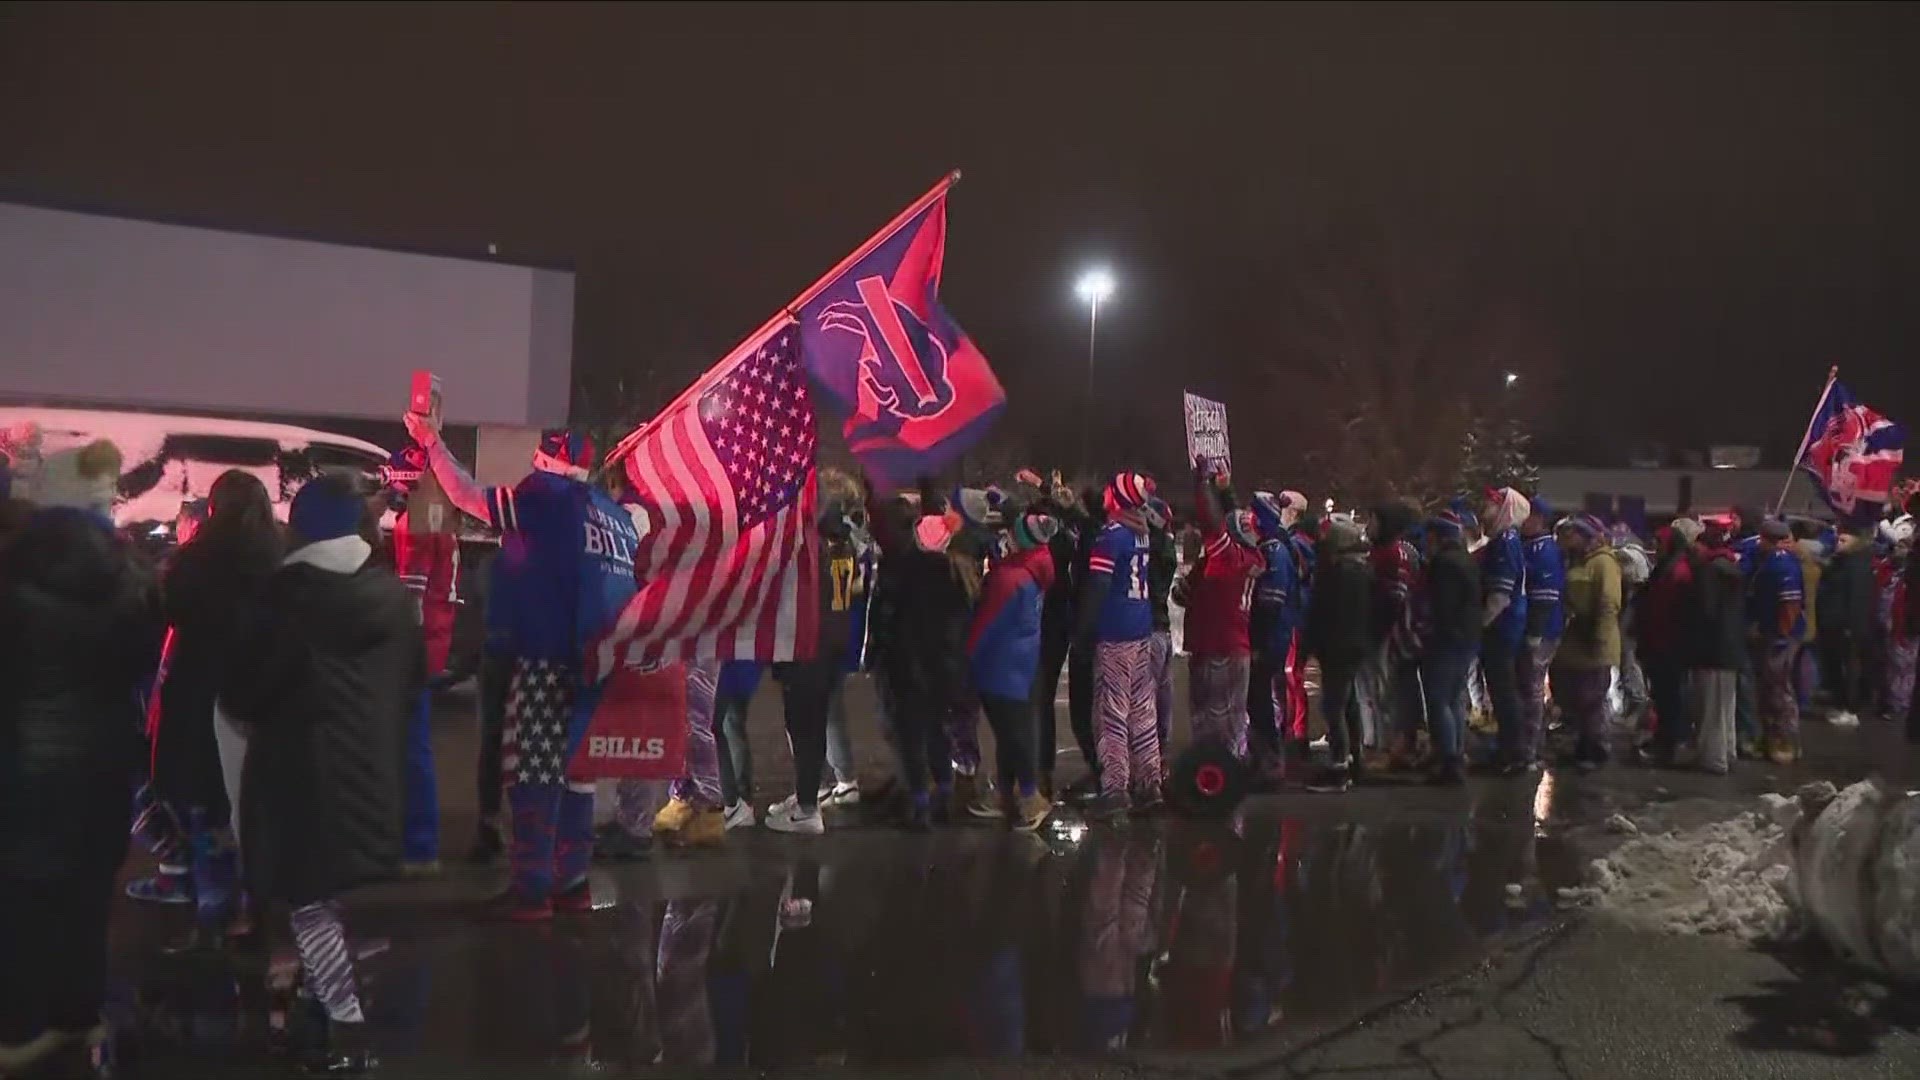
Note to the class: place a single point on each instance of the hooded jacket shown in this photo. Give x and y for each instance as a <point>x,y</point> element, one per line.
<point>1003,644</point>
<point>1593,598</point>
<point>79,632</point>
<point>327,679</point>
<point>1339,630</point>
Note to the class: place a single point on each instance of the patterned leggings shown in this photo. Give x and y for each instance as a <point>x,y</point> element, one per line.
<point>1124,688</point>
<point>1779,702</point>
<point>1217,692</point>
<point>700,784</point>
<point>321,939</point>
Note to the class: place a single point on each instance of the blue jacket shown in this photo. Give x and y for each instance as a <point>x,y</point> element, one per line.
<point>1305,558</point>
<point>1503,572</point>
<point>1776,582</point>
<point>1275,611</point>
<point>1003,644</point>
<point>1546,578</point>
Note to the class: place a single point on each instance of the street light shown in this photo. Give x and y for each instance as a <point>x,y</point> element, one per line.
<point>1512,377</point>
<point>1094,286</point>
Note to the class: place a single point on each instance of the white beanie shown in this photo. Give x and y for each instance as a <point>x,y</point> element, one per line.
<point>84,478</point>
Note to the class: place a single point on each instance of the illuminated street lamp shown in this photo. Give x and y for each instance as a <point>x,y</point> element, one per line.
<point>1093,287</point>
<point>1512,377</point>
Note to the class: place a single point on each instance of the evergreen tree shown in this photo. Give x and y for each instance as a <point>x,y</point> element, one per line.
<point>1497,452</point>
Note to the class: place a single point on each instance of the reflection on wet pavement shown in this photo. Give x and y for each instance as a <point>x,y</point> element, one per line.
<point>865,947</point>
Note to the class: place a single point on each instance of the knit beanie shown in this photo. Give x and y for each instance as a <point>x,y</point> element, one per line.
<point>327,508</point>
<point>84,478</point>
<point>1689,529</point>
<point>1033,529</point>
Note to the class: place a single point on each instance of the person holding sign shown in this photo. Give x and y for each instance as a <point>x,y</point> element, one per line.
<point>1219,601</point>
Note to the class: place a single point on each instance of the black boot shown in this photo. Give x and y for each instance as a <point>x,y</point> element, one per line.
<point>347,1052</point>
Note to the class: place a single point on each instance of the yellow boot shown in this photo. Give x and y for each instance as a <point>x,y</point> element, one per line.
<point>707,828</point>
<point>672,818</point>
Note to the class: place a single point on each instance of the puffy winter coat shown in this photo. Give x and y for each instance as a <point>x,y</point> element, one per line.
<point>1593,612</point>
<point>1849,595</point>
<point>928,606</point>
<point>1339,627</point>
<point>326,680</point>
<point>79,632</point>
<point>1450,623</point>
<point>1003,645</point>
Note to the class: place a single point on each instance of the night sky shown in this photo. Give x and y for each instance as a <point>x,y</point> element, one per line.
<point>1695,210</point>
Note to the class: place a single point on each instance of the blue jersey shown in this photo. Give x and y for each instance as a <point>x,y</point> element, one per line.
<point>1275,597</point>
<point>1546,578</point>
<point>1126,612</point>
<point>1775,582</point>
<point>1503,572</point>
<point>567,559</point>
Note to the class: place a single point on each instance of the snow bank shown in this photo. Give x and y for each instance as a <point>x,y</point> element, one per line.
<point>1842,864</point>
<point>1728,877</point>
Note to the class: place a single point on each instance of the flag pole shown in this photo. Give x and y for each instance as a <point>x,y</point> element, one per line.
<point>1833,375</point>
<point>790,311</point>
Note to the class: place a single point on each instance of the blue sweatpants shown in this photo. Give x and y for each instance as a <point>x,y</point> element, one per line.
<point>420,832</point>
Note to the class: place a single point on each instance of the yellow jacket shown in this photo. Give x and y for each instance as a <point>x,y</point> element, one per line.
<point>1592,597</point>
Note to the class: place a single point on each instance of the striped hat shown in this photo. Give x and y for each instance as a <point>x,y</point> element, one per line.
<point>1159,514</point>
<point>1447,523</point>
<point>1129,491</point>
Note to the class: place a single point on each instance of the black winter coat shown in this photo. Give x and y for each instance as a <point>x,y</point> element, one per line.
<point>326,681</point>
<point>1451,623</point>
<point>929,608</point>
<point>1848,604</point>
<point>205,594</point>
<point>1713,613</point>
<point>1339,614</point>
<point>79,634</point>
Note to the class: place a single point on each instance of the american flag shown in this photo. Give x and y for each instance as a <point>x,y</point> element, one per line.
<point>725,485</point>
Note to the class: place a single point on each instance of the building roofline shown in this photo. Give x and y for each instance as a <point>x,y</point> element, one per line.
<point>41,201</point>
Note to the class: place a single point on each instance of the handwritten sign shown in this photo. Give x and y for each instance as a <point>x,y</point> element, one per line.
<point>1207,431</point>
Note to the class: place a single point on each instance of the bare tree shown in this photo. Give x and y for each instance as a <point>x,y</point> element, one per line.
<point>1385,358</point>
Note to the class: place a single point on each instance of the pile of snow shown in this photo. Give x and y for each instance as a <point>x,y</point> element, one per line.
<point>1728,877</point>
<point>1843,864</point>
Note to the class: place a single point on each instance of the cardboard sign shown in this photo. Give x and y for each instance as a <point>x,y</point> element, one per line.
<point>638,730</point>
<point>1207,431</point>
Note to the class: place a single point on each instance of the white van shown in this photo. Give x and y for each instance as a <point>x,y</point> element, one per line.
<point>171,459</point>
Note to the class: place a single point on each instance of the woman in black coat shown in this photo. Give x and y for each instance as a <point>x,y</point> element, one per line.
<point>79,631</point>
<point>325,682</point>
<point>205,592</point>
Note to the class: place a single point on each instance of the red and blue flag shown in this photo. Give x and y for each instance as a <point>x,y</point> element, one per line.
<point>913,389</point>
<point>1854,455</point>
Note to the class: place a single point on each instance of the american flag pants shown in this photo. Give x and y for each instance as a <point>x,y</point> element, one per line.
<point>1217,691</point>
<point>1124,690</point>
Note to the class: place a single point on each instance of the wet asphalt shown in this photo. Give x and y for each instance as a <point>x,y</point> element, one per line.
<point>1396,930</point>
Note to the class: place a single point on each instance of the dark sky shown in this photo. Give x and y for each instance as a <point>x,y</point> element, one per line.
<point>1702,206</point>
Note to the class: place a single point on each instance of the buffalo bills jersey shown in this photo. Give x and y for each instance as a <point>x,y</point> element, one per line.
<point>1220,593</point>
<point>567,557</point>
<point>1126,612</point>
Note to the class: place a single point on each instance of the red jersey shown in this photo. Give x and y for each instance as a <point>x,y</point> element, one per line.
<point>1220,597</point>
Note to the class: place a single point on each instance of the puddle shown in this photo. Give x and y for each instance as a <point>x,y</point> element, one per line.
<point>869,948</point>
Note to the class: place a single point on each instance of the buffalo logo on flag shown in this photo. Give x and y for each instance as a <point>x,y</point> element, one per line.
<point>1855,455</point>
<point>912,387</point>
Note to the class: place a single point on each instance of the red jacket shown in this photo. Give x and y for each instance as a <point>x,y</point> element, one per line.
<point>1658,622</point>
<point>428,564</point>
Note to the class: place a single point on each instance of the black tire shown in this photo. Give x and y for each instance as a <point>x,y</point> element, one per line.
<point>1209,780</point>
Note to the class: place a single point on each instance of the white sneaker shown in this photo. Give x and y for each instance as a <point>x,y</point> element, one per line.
<point>789,819</point>
<point>841,794</point>
<point>739,815</point>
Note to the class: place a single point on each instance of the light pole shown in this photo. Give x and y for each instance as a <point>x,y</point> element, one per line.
<point>1094,286</point>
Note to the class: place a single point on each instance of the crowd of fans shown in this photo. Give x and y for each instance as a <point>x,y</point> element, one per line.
<point>277,759</point>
